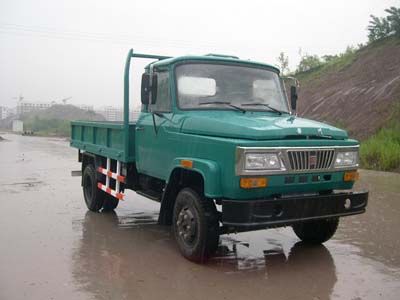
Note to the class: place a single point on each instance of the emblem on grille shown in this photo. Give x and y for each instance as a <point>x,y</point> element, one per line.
<point>313,160</point>
<point>299,130</point>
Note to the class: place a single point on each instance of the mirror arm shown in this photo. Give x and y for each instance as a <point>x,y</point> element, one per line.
<point>154,123</point>
<point>158,114</point>
<point>293,99</point>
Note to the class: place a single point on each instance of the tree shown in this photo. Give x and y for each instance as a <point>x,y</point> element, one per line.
<point>378,28</point>
<point>283,62</point>
<point>308,62</point>
<point>329,58</point>
<point>394,19</point>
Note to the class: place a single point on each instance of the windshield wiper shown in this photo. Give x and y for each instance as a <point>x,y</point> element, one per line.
<point>224,103</point>
<point>263,104</point>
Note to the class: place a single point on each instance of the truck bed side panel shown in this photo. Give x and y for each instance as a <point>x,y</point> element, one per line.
<point>104,138</point>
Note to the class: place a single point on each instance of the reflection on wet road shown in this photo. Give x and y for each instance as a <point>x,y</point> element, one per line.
<point>52,248</point>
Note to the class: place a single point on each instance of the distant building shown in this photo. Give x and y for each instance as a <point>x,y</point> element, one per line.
<point>17,126</point>
<point>85,107</point>
<point>24,107</point>
<point>133,115</point>
<point>114,114</point>
<point>4,112</point>
<point>12,110</point>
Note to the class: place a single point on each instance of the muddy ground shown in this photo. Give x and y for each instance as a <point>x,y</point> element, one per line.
<point>52,248</point>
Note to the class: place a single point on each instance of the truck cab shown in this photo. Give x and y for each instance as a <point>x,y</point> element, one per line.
<point>219,145</point>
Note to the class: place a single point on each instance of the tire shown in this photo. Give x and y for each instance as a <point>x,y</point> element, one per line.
<point>316,232</point>
<point>110,203</point>
<point>94,197</point>
<point>195,225</point>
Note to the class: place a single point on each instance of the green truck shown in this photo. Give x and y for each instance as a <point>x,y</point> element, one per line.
<point>219,145</point>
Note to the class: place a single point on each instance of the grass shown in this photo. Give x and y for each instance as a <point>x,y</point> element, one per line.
<point>382,150</point>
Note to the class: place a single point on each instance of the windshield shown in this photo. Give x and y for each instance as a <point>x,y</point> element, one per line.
<point>205,85</point>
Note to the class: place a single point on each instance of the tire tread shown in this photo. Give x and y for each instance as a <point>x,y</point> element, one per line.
<point>316,232</point>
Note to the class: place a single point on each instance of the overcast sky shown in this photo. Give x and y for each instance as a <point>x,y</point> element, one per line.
<point>50,49</point>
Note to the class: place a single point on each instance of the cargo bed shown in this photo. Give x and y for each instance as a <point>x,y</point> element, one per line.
<point>104,138</point>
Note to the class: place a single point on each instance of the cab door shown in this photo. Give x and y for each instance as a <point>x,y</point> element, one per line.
<point>152,132</point>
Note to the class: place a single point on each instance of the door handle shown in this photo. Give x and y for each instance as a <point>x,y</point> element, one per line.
<point>139,128</point>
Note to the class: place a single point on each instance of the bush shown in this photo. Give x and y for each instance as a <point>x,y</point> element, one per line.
<point>308,62</point>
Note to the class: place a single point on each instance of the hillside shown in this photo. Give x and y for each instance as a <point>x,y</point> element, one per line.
<point>64,112</point>
<point>54,120</point>
<point>358,91</point>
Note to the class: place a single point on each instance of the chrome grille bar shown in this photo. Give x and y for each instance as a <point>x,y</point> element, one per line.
<point>303,160</point>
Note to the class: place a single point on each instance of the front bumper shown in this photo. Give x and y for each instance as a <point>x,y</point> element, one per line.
<point>276,212</point>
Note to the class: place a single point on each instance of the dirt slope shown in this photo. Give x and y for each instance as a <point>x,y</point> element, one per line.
<point>360,95</point>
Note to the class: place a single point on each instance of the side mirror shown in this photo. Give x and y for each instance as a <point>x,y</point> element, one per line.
<point>154,84</point>
<point>293,97</point>
<point>145,90</point>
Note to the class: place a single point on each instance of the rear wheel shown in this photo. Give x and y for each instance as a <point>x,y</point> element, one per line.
<point>195,225</point>
<point>110,203</point>
<point>316,232</point>
<point>94,197</point>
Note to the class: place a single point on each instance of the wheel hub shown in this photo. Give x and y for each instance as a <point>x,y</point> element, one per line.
<point>186,225</point>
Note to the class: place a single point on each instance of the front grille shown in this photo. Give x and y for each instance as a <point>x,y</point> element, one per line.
<point>303,160</point>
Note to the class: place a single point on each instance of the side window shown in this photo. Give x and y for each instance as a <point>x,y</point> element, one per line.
<point>163,103</point>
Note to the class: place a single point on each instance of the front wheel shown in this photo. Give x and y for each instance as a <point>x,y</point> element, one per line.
<point>195,225</point>
<point>317,231</point>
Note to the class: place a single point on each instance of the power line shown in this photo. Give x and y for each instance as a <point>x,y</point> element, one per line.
<point>75,33</point>
<point>51,33</point>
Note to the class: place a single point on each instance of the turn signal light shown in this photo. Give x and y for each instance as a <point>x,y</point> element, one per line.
<point>187,163</point>
<point>254,182</point>
<point>351,176</point>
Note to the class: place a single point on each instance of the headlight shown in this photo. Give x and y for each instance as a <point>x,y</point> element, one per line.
<point>346,159</point>
<point>262,161</point>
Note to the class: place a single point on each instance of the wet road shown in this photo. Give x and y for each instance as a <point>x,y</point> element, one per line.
<point>52,248</point>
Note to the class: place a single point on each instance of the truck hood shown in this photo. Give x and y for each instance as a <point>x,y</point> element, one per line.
<point>259,127</point>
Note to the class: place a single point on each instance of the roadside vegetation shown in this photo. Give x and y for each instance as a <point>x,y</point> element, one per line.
<point>311,67</point>
<point>380,151</point>
<point>379,29</point>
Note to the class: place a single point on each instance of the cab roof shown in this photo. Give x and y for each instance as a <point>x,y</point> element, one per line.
<point>209,58</point>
